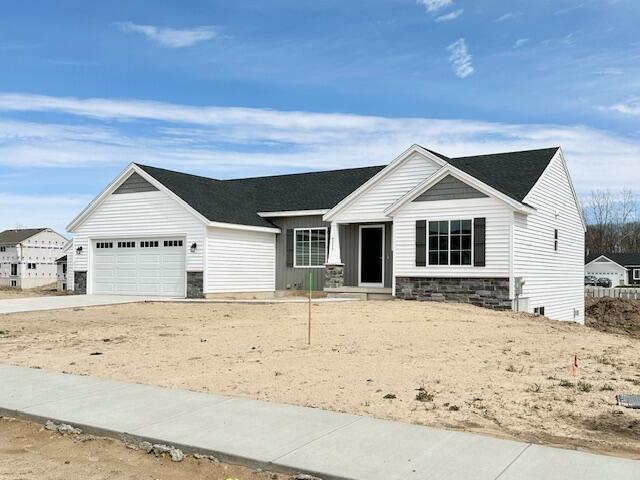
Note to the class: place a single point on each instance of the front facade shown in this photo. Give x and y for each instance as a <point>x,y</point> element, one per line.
<point>621,268</point>
<point>501,231</point>
<point>28,257</point>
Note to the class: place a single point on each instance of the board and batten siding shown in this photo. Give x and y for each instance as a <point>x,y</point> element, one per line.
<point>553,279</point>
<point>498,236</point>
<point>136,215</point>
<point>292,278</point>
<point>370,205</point>
<point>240,261</point>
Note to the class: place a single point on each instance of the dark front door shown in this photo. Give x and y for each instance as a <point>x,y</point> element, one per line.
<point>371,255</point>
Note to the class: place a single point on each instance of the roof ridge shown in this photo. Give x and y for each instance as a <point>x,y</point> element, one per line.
<point>178,172</point>
<point>302,173</point>
<point>507,153</point>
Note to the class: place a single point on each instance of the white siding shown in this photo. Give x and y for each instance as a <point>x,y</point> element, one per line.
<point>240,261</point>
<point>553,280</point>
<point>370,205</point>
<point>498,225</point>
<point>137,215</point>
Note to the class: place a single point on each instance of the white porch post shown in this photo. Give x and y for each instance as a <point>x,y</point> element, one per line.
<point>334,245</point>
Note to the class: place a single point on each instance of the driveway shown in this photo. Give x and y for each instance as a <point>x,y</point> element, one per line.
<point>31,304</point>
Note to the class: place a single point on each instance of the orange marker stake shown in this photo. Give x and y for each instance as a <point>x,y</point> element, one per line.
<point>574,364</point>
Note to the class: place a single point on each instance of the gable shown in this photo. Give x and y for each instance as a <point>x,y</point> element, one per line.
<point>449,188</point>
<point>134,184</point>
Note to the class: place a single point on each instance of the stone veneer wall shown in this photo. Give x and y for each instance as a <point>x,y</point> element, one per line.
<point>333,276</point>
<point>483,292</point>
<point>195,285</point>
<point>80,283</point>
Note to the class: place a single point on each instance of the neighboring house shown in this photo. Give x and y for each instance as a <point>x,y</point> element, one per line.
<point>482,230</point>
<point>620,268</point>
<point>63,266</point>
<point>28,257</point>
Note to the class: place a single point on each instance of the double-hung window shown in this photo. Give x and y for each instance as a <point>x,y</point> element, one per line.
<point>310,247</point>
<point>636,273</point>
<point>450,242</point>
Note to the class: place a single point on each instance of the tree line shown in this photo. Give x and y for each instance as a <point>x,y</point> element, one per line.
<point>613,222</point>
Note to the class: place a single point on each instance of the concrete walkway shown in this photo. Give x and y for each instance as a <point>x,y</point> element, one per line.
<point>32,304</point>
<point>285,438</point>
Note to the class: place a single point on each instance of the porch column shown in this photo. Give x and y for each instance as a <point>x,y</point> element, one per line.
<point>334,268</point>
<point>334,245</point>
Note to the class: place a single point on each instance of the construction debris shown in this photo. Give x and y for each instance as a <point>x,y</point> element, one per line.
<point>61,428</point>
<point>628,401</point>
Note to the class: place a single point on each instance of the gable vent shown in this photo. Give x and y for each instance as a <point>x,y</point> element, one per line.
<point>134,184</point>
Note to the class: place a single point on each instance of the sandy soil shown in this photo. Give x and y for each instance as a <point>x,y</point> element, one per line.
<point>8,292</point>
<point>453,366</point>
<point>614,315</point>
<point>29,452</point>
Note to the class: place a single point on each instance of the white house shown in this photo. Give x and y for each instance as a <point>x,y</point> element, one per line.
<point>28,257</point>
<point>502,231</point>
<point>620,268</point>
<point>64,264</point>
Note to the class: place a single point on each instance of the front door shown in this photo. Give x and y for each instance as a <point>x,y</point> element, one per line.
<point>371,255</point>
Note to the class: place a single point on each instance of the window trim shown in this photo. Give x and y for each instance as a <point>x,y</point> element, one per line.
<point>636,273</point>
<point>556,242</point>
<point>448,264</point>
<point>295,246</point>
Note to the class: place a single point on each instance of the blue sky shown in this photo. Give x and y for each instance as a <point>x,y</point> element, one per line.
<point>231,89</point>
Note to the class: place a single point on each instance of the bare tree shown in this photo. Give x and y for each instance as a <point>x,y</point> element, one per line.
<point>613,222</point>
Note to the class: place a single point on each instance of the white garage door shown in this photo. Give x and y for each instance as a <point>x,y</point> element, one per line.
<point>145,266</point>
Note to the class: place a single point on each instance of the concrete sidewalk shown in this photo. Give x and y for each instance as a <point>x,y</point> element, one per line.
<point>285,438</point>
<point>32,304</point>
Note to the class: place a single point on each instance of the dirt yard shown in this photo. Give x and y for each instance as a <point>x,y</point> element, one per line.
<point>29,452</point>
<point>8,292</point>
<point>614,315</point>
<point>445,365</point>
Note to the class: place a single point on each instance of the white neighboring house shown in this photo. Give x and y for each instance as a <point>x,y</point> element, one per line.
<point>503,231</point>
<point>28,257</point>
<point>620,268</point>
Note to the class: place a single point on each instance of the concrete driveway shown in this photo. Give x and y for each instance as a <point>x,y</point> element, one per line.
<point>31,304</point>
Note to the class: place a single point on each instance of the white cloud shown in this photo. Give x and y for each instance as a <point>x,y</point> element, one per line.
<point>170,37</point>
<point>521,42</point>
<point>631,108</point>
<point>228,142</point>
<point>435,5</point>
<point>460,58</point>
<point>450,16</point>
<point>508,16</point>
<point>34,211</point>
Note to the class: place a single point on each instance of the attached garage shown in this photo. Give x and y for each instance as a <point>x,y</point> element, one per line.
<point>139,266</point>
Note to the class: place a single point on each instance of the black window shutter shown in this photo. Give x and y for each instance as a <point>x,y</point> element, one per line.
<point>289,245</point>
<point>421,243</point>
<point>479,241</point>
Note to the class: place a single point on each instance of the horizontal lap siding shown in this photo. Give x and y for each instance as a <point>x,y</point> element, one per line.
<point>371,204</point>
<point>553,280</point>
<point>498,227</point>
<point>240,261</point>
<point>140,214</point>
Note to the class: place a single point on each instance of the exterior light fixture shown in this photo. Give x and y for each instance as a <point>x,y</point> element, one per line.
<point>79,250</point>
<point>193,247</point>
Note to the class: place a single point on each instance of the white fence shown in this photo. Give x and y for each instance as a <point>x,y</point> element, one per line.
<point>600,292</point>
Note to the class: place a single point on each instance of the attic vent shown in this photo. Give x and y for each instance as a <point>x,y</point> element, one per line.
<point>449,188</point>
<point>134,184</point>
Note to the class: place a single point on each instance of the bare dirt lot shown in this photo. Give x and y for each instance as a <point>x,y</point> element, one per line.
<point>8,292</point>
<point>453,366</point>
<point>29,452</point>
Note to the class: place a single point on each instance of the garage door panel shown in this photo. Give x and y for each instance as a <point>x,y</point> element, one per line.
<point>139,270</point>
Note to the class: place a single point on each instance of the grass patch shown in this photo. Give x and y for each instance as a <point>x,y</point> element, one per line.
<point>424,396</point>
<point>606,388</point>
<point>390,396</point>
<point>566,384</point>
<point>584,387</point>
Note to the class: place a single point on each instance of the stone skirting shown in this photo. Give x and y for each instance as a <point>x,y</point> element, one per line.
<point>334,276</point>
<point>80,283</point>
<point>195,285</point>
<point>483,292</point>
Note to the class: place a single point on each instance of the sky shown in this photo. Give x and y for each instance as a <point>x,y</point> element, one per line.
<point>234,89</point>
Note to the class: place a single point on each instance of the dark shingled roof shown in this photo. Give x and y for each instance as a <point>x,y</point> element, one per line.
<point>13,237</point>
<point>623,259</point>
<point>238,201</point>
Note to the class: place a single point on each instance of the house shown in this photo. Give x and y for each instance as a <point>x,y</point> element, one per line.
<point>28,257</point>
<point>63,264</point>
<point>502,231</point>
<point>620,268</point>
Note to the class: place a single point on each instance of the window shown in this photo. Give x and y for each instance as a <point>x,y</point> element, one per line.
<point>173,243</point>
<point>126,244</point>
<point>636,273</point>
<point>64,268</point>
<point>310,247</point>
<point>149,244</point>
<point>14,283</point>
<point>450,242</point>
<point>31,266</point>
<point>538,310</point>
<point>3,249</point>
<point>14,270</point>
<point>555,240</point>
<point>104,245</point>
